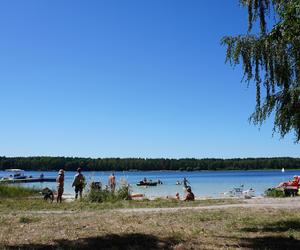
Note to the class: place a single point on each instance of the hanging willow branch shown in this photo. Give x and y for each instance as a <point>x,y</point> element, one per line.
<point>271,58</point>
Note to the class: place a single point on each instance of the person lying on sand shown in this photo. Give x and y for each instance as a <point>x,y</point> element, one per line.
<point>294,182</point>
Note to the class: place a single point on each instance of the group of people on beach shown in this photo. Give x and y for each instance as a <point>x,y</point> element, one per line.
<point>189,195</point>
<point>78,183</point>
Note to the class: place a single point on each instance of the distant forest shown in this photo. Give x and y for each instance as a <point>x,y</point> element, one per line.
<point>124,164</point>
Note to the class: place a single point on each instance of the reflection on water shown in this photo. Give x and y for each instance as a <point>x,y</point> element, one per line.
<point>204,183</point>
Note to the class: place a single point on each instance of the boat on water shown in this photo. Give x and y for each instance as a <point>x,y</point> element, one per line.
<point>18,176</point>
<point>142,183</point>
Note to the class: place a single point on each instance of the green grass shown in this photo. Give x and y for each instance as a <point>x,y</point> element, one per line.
<point>123,193</point>
<point>34,204</point>
<point>234,228</point>
<point>10,191</point>
<point>275,192</point>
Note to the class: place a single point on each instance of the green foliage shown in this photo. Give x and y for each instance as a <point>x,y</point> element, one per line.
<point>123,193</point>
<point>117,164</point>
<point>272,59</point>
<point>9,191</point>
<point>274,192</point>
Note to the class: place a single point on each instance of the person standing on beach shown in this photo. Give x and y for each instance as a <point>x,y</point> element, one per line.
<point>112,182</point>
<point>78,183</point>
<point>60,185</point>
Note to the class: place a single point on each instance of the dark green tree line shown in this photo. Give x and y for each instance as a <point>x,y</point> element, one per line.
<point>117,164</point>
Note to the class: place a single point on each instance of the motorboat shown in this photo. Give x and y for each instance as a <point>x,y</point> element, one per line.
<point>18,176</point>
<point>148,183</point>
<point>14,174</point>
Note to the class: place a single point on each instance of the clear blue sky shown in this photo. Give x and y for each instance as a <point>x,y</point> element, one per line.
<point>126,78</point>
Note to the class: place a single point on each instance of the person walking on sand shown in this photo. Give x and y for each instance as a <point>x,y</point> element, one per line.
<point>112,182</point>
<point>78,183</point>
<point>60,185</point>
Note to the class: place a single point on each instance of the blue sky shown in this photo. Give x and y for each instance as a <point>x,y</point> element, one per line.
<point>126,78</point>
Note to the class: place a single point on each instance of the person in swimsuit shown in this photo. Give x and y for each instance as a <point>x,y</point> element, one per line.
<point>112,182</point>
<point>189,195</point>
<point>60,185</point>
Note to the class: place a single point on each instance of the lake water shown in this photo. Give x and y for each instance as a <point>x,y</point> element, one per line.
<point>203,183</point>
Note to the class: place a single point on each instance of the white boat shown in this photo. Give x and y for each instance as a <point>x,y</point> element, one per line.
<point>15,174</point>
<point>18,176</point>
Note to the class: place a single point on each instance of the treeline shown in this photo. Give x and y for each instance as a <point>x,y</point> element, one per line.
<point>124,164</point>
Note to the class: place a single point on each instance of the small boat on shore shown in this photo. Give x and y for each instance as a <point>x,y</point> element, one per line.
<point>18,176</point>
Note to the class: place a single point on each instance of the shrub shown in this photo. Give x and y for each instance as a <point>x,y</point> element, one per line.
<point>123,193</point>
<point>274,192</point>
<point>10,191</point>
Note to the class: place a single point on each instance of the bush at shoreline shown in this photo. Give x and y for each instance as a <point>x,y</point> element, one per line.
<point>10,191</point>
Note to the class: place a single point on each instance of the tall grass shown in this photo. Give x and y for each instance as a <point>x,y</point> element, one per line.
<point>123,193</point>
<point>10,191</point>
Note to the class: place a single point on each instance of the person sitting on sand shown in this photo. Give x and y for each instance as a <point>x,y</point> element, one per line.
<point>294,182</point>
<point>78,183</point>
<point>112,182</point>
<point>60,185</point>
<point>189,195</point>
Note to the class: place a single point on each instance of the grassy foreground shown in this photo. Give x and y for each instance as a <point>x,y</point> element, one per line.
<point>216,229</point>
<point>31,223</point>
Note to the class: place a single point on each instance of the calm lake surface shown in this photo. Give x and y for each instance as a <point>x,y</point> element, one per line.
<point>203,183</point>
